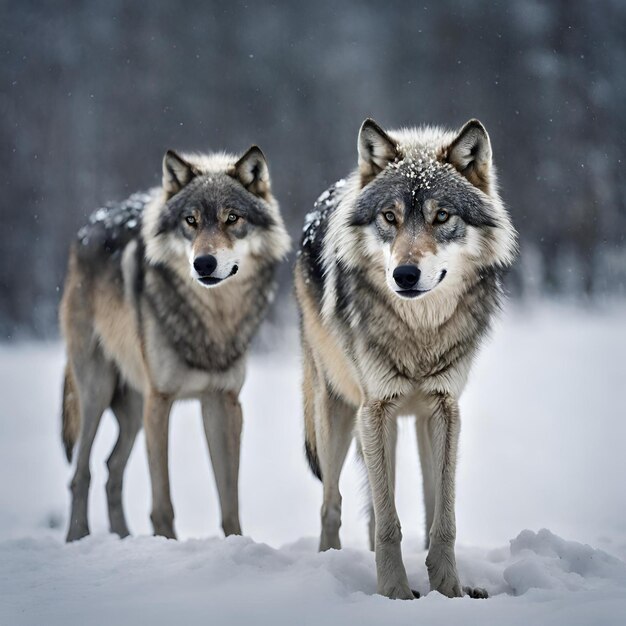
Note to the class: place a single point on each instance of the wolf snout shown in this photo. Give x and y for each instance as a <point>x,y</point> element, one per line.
<point>406,276</point>
<point>205,265</point>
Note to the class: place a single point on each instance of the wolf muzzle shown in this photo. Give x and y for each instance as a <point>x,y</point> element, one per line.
<point>205,266</point>
<point>407,278</point>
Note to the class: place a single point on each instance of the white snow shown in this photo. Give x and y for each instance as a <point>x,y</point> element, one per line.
<point>100,215</point>
<point>323,197</point>
<point>542,446</point>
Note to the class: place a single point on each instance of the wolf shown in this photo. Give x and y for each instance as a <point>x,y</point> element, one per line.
<point>397,279</point>
<point>163,295</point>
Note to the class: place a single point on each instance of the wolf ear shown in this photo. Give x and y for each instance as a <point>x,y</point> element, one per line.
<point>176,173</point>
<point>252,172</point>
<point>470,154</point>
<point>376,150</point>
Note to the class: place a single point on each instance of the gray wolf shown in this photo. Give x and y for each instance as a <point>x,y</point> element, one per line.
<point>397,280</point>
<point>163,295</point>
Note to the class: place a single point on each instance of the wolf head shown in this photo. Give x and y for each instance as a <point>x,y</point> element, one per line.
<point>428,206</point>
<point>216,214</point>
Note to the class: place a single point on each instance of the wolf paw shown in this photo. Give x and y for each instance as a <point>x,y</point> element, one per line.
<point>117,525</point>
<point>329,544</point>
<point>442,573</point>
<point>477,593</point>
<point>399,592</point>
<point>76,532</point>
<point>329,539</point>
<point>163,525</point>
<point>168,533</point>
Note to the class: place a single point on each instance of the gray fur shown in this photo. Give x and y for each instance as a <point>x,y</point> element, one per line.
<point>144,329</point>
<point>373,350</point>
<point>180,317</point>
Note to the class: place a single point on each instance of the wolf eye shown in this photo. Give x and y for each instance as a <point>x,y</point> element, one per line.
<point>191,220</point>
<point>390,217</point>
<point>442,216</point>
<point>232,218</point>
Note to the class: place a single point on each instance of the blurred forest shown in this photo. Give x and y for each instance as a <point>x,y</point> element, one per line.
<point>93,93</point>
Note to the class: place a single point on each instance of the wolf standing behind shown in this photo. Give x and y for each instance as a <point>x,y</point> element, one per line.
<point>163,295</point>
<point>397,279</point>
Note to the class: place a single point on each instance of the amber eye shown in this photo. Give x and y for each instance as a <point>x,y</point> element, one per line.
<point>232,218</point>
<point>191,220</point>
<point>390,217</point>
<point>442,216</point>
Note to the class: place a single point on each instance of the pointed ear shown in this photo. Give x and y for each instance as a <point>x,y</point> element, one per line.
<point>176,173</point>
<point>470,154</point>
<point>376,150</point>
<point>252,172</point>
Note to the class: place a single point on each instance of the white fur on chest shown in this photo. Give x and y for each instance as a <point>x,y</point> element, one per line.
<point>169,374</point>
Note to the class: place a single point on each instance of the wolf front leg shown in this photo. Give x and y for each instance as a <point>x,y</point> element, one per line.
<point>376,424</point>
<point>422,425</point>
<point>443,431</point>
<point>156,419</point>
<point>221,415</point>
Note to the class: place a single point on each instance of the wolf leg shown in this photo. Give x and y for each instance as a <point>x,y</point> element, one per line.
<point>443,428</point>
<point>369,506</point>
<point>221,415</point>
<point>156,423</point>
<point>127,406</point>
<point>95,379</point>
<point>428,477</point>
<point>371,517</point>
<point>377,428</point>
<point>371,523</point>
<point>333,432</point>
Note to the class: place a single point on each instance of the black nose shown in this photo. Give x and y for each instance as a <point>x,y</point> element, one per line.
<point>406,276</point>
<point>205,265</point>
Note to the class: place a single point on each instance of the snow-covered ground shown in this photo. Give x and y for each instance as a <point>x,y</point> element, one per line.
<point>542,446</point>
